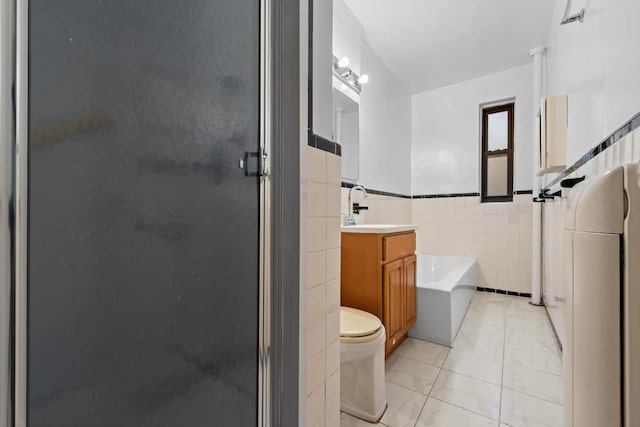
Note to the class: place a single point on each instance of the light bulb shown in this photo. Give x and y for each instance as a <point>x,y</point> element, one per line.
<point>363,80</point>
<point>344,62</point>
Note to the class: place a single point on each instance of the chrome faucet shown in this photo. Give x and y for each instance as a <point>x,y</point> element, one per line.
<point>349,219</point>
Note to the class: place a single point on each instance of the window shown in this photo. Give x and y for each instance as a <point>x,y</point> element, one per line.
<point>497,154</point>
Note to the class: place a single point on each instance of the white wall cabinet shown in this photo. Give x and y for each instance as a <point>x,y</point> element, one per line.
<point>551,129</point>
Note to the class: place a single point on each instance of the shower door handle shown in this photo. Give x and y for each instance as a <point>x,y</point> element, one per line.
<point>255,163</point>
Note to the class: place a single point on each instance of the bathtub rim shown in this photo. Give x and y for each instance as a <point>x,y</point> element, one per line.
<point>454,276</point>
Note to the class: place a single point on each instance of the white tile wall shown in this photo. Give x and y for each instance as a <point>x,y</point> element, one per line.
<point>316,268</point>
<point>316,375</point>
<point>333,415</point>
<point>332,356</point>
<point>553,262</point>
<point>333,326</point>
<point>323,289</point>
<point>625,151</point>
<point>315,406</point>
<point>497,234</point>
<point>382,209</point>
<point>636,146</point>
<point>316,166</point>
<point>316,337</point>
<point>316,303</point>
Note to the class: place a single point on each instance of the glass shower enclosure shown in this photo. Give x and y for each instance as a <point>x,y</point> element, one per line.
<point>139,199</point>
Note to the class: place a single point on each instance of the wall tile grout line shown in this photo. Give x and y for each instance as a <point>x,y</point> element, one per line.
<point>504,350</point>
<point>322,283</point>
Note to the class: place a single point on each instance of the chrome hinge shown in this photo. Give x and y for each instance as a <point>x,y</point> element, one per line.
<point>255,163</point>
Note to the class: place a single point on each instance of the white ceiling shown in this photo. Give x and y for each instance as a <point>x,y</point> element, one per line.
<point>433,43</point>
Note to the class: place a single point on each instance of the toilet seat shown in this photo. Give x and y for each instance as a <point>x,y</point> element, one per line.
<point>362,378</point>
<point>357,326</point>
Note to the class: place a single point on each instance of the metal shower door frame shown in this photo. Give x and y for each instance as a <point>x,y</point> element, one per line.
<point>21,221</point>
<point>279,120</point>
<point>7,138</point>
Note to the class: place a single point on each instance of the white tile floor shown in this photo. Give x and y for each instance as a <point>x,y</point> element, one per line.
<point>504,370</point>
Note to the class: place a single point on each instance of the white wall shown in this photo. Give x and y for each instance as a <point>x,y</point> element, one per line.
<point>349,135</point>
<point>596,63</point>
<point>446,132</point>
<point>322,65</point>
<point>385,128</point>
<point>347,35</point>
<point>385,109</point>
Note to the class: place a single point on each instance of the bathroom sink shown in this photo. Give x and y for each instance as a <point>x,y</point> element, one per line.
<point>378,228</point>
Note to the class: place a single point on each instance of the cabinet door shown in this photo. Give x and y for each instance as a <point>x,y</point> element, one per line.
<point>393,301</point>
<point>552,131</point>
<point>410,291</point>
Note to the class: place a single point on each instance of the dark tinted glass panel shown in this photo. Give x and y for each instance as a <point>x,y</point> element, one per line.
<point>143,230</point>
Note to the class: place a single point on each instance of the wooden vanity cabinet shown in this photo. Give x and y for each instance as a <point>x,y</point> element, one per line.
<point>378,275</point>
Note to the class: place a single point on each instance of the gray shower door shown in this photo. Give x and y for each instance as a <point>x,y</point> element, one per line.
<point>143,228</point>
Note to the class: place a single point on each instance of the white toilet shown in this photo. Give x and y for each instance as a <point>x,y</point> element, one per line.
<point>362,384</point>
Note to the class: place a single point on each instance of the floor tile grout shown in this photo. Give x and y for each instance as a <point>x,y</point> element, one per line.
<point>410,389</point>
<point>431,388</point>
<point>434,381</point>
<point>469,376</point>
<point>505,325</point>
<point>422,361</point>
<point>422,409</point>
<point>464,409</point>
<point>540,370</point>
<point>483,347</point>
<point>530,395</point>
<point>504,350</point>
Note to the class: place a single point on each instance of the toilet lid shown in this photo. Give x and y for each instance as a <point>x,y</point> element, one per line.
<point>357,323</point>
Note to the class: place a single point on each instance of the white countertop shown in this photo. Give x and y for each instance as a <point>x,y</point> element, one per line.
<point>378,228</point>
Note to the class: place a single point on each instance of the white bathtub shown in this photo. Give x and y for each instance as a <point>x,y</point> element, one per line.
<point>444,289</point>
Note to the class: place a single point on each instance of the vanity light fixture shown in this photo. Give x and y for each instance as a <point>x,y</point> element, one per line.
<point>346,75</point>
